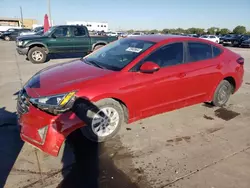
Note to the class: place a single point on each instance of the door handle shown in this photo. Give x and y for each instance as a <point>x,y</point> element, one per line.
<point>181,75</point>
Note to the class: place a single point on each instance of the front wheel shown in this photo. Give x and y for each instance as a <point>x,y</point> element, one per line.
<point>7,38</point>
<point>37,55</point>
<point>103,119</point>
<point>98,47</point>
<point>222,93</point>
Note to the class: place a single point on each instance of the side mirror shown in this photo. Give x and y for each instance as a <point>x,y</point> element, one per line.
<point>149,67</point>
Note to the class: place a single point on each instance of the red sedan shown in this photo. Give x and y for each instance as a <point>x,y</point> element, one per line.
<point>125,81</point>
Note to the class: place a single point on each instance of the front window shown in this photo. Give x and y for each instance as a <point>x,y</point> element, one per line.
<point>118,54</point>
<point>169,55</point>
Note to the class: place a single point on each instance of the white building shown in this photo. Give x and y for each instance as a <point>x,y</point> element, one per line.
<point>92,26</point>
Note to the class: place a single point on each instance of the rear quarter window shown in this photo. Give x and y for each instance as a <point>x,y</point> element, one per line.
<point>216,51</point>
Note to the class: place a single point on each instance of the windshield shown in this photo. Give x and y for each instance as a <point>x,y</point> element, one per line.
<point>49,31</point>
<point>204,36</point>
<point>118,54</point>
<point>37,29</point>
<point>39,32</point>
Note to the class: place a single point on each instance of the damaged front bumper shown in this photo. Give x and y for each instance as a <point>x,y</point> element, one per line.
<point>44,131</point>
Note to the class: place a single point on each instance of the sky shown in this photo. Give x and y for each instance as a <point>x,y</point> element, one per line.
<point>136,14</point>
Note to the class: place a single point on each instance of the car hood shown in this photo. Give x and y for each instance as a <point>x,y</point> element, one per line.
<point>29,33</point>
<point>63,78</point>
<point>30,37</point>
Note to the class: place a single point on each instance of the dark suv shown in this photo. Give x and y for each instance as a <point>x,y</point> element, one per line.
<point>241,40</point>
<point>12,34</point>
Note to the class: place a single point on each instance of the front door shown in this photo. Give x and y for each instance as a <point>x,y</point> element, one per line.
<point>61,40</point>
<point>162,90</point>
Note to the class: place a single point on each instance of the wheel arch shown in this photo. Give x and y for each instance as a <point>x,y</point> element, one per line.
<point>122,102</point>
<point>41,45</point>
<point>230,79</point>
<point>124,107</point>
<point>99,43</point>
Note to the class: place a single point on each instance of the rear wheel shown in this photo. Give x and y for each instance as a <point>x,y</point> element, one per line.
<point>222,93</point>
<point>103,119</point>
<point>235,43</point>
<point>37,55</point>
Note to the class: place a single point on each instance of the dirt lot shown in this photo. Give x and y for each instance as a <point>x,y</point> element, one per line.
<point>197,146</point>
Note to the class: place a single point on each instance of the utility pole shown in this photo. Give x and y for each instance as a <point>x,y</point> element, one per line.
<point>49,11</point>
<point>21,11</point>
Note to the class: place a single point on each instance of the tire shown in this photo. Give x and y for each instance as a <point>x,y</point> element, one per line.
<point>235,43</point>
<point>98,47</point>
<point>222,93</point>
<point>7,38</point>
<point>41,53</point>
<point>88,113</point>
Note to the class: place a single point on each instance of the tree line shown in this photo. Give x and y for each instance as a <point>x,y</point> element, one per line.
<point>212,30</point>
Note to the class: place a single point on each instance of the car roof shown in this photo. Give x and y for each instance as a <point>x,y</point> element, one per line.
<point>159,38</point>
<point>69,26</point>
<point>172,38</point>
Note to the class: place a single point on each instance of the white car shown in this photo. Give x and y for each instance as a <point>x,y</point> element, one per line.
<point>212,38</point>
<point>135,34</point>
<point>112,34</point>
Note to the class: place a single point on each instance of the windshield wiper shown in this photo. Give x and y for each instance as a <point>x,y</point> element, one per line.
<point>92,63</point>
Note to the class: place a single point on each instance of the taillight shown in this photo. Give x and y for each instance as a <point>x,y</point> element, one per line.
<point>240,61</point>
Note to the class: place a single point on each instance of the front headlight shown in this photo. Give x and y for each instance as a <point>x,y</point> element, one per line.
<point>20,43</point>
<point>55,104</point>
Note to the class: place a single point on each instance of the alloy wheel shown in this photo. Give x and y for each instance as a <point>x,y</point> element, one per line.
<point>105,121</point>
<point>37,55</point>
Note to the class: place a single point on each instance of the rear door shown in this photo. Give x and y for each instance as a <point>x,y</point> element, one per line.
<point>81,40</point>
<point>61,40</point>
<point>202,69</point>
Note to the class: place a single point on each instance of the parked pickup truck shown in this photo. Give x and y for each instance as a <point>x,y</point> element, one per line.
<point>60,39</point>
